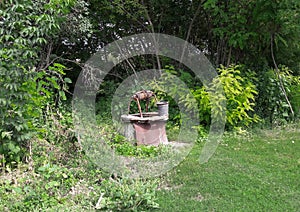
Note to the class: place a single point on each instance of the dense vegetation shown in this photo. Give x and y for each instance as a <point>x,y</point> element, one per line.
<point>253,44</point>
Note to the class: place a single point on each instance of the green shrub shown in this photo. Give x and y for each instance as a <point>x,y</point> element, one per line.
<point>238,87</point>
<point>271,102</point>
<point>23,119</point>
<point>130,195</point>
<point>173,86</point>
<point>25,90</point>
<point>240,94</point>
<point>50,186</point>
<point>295,98</point>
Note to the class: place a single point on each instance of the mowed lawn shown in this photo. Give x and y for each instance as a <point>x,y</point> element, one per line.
<point>257,172</point>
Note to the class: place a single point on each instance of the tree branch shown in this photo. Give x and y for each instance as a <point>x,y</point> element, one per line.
<point>279,77</point>
<point>189,31</point>
<point>155,42</point>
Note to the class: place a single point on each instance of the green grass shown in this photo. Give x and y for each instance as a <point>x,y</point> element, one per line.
<point>247,173</point>
<point>252,172</point>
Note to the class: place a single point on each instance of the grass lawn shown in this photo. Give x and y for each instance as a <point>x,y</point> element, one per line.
<point>253,172</point>
<point>260,172</point>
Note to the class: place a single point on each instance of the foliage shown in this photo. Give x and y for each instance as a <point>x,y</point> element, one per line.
<point>240,94</point>
<point>228,31</point>
<point>295,98</point>
<point>23,119</point>
<point>57,126</point>
<point>239,91</point>
<point>19,41</point>
<point>130,195</point>
<point>272,103</point>
<point>54,187</point>
<point>242,30</point>
<point>29,80</point>
<point>172,86</point>
<point>128,149</point>
<point>59,176</point>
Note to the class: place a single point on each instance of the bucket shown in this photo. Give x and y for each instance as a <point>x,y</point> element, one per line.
<point>163,108</point>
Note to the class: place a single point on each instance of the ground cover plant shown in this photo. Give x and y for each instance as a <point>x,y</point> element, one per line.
<point>60,180</point>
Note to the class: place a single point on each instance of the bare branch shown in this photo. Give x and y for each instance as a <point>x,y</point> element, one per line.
<point>189,31</point>
<point>128,62</point>
<point>279,77</point>
<point>155,42</point>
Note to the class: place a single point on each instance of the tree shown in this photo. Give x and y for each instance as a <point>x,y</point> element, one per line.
<point>28,76</point>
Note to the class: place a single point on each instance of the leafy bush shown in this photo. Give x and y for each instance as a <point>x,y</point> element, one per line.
<point>172,86</point>
<point>295,97</point>
<point>239,91</point>
<point>240,94</point>
<point>28,80</point>
<point>271,102</point>
<point>23,119</point>
<point>57,126</point>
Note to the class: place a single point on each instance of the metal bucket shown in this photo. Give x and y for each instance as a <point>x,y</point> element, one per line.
<point>163,108</point>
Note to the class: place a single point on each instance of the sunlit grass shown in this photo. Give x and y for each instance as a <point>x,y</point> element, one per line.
<point>253,172</point>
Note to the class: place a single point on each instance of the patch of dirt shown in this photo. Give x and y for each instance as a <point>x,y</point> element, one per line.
<point>198,197</point>
<point>168,187</point>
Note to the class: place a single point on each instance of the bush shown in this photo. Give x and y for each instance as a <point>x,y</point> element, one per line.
<point>173,86</point>
<point>271,102</point>
<point>25,89</point>
<point>23,119</point>
<point>238,87</point>
<point>240,93</point>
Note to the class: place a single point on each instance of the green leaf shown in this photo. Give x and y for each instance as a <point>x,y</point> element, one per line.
<point>67,80</point>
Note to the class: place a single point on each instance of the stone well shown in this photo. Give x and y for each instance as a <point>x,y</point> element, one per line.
<point>147,130</point>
